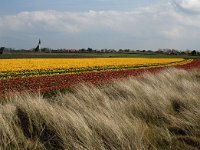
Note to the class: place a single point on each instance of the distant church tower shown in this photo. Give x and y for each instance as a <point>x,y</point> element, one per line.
<point>38,48</point>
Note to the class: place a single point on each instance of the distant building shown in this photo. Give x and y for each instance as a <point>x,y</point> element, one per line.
<point>1,50</point>
<point>38,49</point>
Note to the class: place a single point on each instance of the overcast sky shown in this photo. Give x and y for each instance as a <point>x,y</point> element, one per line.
<point>134,24</point>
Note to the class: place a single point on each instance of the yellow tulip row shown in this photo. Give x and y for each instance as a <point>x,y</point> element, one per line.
<point>64,63</point>
<point>34,67</point>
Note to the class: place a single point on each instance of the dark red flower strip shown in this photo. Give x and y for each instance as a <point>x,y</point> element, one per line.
<point>46,84</point>
<point>195,64</point>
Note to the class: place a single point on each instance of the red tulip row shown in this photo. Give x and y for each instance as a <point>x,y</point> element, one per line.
<point>46,84</point>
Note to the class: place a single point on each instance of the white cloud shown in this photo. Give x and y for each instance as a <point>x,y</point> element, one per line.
<point>191,4</point>
<point>158,22</point>
<point>173,33</point>
<point>66,21</point>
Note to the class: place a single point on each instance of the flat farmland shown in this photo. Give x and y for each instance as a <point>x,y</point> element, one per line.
<point>14,55</point>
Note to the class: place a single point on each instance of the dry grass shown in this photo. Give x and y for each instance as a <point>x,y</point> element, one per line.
<point>150,112</point>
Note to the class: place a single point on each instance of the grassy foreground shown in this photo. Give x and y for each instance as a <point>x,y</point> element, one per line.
<point>159,111</point>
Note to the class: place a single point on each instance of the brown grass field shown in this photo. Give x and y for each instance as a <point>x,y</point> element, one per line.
<point>149,112</point>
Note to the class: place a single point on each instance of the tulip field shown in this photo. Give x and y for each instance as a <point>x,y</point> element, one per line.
<point>54,74</point>
<point>10,68</point>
